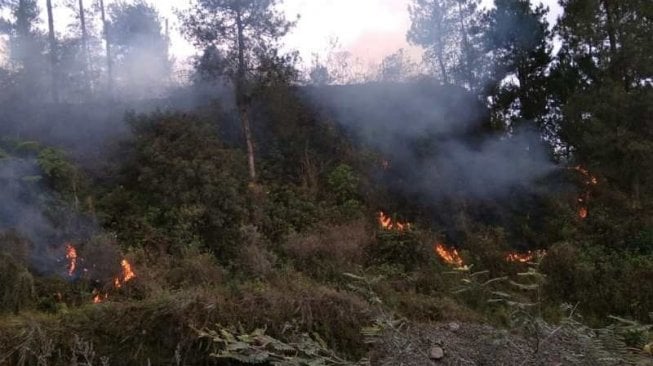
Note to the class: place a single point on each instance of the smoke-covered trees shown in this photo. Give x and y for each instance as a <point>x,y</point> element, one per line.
<point>139,48</point>
<point>501,53</point>
<point>516,37</point>
<point>449,32</point>
<point>604,93</point>
<point>247,32</point>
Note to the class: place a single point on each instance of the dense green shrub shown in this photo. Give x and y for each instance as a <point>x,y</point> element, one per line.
<point>17,290</point>
<point>602,281</point>
<point>343,184</point>
<point>178,185</point>
<point>287,209</point>
<point>409,249</point>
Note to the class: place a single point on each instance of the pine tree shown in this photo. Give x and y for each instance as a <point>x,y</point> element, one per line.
<point>517,38</point>
<point>248,31</point>
<point>604,90</point>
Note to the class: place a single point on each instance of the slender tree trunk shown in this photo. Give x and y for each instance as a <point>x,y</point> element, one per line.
<point>636,188</point>
<point>441,48</point>
<point>466,51</point>
<point>610,27</point>
<point>242,99</point>
<point>86,66</point>
<point>107,43</point>
<point>53,53</point>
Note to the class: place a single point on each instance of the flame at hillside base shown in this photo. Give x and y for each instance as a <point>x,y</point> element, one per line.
<point>583,200</point>
<point>525,257</point>
<point>126,275</point>
<point>99,297</point>
<point>449,256</point>
<point>71,256</point>
<point>386,222</point>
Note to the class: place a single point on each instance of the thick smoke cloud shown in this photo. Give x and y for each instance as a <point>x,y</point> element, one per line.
<point>435,139</point>
<point>36,215</point>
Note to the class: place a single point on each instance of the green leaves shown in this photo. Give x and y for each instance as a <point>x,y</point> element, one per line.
<point>258,348</point>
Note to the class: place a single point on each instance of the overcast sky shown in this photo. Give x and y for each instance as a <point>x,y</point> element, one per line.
<point>370,29</point>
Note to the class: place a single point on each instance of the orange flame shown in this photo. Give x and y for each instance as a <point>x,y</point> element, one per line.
<point>99,297</point>
<point>126,275</point>
<point>387,223</point>
<point>590,180</point>
<point>71,255</point>
<point>525,257</point>
<point>449,256</point>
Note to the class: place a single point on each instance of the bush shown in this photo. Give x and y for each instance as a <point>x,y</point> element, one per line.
<point>327,252</point>
<point>409,249</point>
<point>17,290</point>
<point>287,210</point>
<point>254,258</point>
<point>486,248</point>
<point>179,183</point>
<point>601,281</point>
<point>344,185</point>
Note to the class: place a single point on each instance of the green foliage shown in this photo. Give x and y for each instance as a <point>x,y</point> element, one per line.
<point>343,182</point>
<point>406,248</point>
<point>602,281</point>
<point>288,210</point>
<point>179,186</point>
<point>259,348</point>
<point>344,185</point>
<point>17,290</point>
<point>478,289</point>
<point>62,175</point>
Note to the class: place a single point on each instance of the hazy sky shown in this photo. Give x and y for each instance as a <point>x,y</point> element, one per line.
<point>370,29</point>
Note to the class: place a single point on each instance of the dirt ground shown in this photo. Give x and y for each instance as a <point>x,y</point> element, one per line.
<point>453,344</point>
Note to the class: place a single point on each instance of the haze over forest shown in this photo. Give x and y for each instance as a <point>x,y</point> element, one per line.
<point>374,182</point>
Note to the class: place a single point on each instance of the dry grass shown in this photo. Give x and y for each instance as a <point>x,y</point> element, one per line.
<point>327,252</point>
<point>162,328</point>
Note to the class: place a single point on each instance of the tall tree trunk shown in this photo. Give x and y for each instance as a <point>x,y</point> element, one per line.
<point>86,66</point>
<point>612,37</point>
<point>242,99</point>
<point>636,188</point>
<point>53,54</point>
<point>466,50</point>
<point>440,48</point>
<point>107,42</point>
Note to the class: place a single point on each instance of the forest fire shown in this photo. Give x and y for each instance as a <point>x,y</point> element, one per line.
<point>591,180</point>
<point>583,200</point>
<point>388,223</point>
<point>99,297</point>
<point>525,257</point>
<point>71,256</point>
<point>450,256</point>
<point>126,275</point>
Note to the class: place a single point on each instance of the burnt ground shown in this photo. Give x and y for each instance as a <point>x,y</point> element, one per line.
<point>475,344</point>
